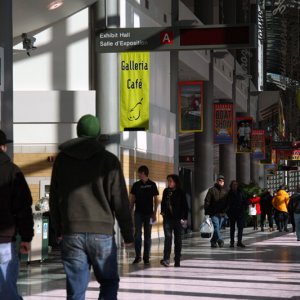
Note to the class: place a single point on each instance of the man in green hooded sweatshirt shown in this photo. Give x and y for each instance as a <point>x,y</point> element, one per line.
<point>87,192</point>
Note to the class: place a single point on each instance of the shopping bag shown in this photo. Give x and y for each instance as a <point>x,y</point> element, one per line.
<point>252,210</point>
<point>206,228</point>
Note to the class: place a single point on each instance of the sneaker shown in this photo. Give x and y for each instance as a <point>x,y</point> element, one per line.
<point>262,229</point>
<point>136,260</point>
<point>241,245</point>
<point>220,243</point>
<point>165,263</point>
<point>231,245</point>
<point>146,262</point>
<point>213,245</point>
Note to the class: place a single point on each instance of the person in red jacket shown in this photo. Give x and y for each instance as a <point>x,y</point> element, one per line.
<point>254,201</point>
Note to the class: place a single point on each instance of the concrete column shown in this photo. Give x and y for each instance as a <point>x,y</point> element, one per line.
<point>105,82</point>
<point>227,162</point>
<point>6,95</point>
<point>243,167</point>
<point>106,73</point>
<point>174,87</point>
<point>204,155</point>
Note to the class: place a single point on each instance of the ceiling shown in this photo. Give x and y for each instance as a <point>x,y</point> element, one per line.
<point>30,16</point>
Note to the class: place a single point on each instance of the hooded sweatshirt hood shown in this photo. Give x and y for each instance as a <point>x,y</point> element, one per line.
<point>81,148</point>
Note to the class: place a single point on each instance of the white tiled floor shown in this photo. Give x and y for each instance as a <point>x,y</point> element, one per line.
<point>268,268</point>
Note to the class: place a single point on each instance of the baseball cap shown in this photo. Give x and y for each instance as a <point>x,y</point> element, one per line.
<point>3,139</point>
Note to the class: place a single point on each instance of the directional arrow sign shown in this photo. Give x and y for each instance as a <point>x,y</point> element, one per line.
<point>176,38</point>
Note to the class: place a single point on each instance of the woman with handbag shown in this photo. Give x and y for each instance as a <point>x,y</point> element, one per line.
<point>254,210</point>
<point>174,209</point>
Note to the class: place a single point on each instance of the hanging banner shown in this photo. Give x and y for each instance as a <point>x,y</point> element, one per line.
<point>258,144</point>
<point>134,90</point>
<point>223,123</point>
<point>244,129</point>
<point>191,106</point>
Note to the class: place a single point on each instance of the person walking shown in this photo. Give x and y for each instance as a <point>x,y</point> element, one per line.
<point>294,208</point>
<point>15,219</point>
<point>280,202</point>
<point>144,200</point>
<point>174,209</point>
<point>266,208</point>
<point>254,210</point>
<point>87,193</point>
<point>237,206</point>
<point>215,205</point>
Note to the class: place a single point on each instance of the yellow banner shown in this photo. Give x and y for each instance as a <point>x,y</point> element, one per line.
<point>134,90</point>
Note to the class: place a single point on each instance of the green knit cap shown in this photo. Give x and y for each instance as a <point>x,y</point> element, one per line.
<point>88,126</point>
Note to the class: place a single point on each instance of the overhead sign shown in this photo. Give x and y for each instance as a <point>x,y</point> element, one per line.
<point>175,38</point>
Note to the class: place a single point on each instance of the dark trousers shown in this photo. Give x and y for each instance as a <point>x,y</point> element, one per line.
<point>282,219</point>
<point>240,222</point>
<point>142,220</point>
<point>263,218</point>
<point>172,226</point>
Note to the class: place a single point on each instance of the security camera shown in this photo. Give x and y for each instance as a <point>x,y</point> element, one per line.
<point>28,43</point>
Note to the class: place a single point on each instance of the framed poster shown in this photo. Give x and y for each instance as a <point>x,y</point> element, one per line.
<point>258,143</point>
<point>223,123</point>
<point>243,134</point>
<point>191,106</point>
<point>1,69</point>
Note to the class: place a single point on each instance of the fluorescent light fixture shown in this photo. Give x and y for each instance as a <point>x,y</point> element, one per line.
<point>55,4</point>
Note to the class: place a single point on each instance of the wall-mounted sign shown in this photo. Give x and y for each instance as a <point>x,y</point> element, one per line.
<point>134,90</point>
<point>191,106</point>
<point>244,129</point>
<point>258,143</point>
<point>223,123</point>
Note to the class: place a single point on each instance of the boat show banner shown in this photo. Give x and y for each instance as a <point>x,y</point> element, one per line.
<point>223,123</point>
<point>134,91</point>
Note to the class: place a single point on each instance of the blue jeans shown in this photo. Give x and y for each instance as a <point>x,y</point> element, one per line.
<point>9,262</point>
<point>172,225</point>
<point>297,225</point>
<point>217,223</point>
<point>142,220</point>
<point>80,252</point>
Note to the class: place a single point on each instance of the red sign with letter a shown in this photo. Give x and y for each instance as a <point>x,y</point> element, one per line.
<point>166,37</point>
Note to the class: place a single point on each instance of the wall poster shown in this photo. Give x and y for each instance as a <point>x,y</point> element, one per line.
<point>243,134</point>
<point>258,143</point>
<point>223,123</point>
<point>191,106</point>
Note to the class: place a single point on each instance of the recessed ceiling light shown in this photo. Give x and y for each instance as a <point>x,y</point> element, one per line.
<point>55,4</point>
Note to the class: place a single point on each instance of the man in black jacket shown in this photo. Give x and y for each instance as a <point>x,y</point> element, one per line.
<point>215,205</point>
<point>15,218</point>
<point>87,192</point>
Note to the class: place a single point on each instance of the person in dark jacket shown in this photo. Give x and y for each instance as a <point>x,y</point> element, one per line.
<point>87,192</point>
<point>15,219</point>
<point>294,208</point>
<point>174,209</point>
<point>266,209</point>
<point>237,207</point>
<point>215,205</point>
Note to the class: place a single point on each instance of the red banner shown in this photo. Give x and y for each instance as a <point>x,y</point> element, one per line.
<point>258,143</point>
<point>223,123</point>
